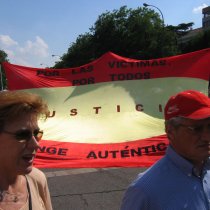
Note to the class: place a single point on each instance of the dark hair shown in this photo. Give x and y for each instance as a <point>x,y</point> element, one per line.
<point>175,121</point>
<point>15,104</point>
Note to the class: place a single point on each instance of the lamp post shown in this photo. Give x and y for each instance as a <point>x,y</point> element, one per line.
<point>163,29</point>
<point>44,64</point>
<point>149,5</point>
<point>56,56</point>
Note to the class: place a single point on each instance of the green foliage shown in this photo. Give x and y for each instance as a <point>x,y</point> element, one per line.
<point>135,33</point>
<point>131,33</point>
<point>3,58</point>
<point>78,53</point>
<point>198,42</point>
<point>182,29</point>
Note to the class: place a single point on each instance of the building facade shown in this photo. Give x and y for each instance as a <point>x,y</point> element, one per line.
<point>206,18</point>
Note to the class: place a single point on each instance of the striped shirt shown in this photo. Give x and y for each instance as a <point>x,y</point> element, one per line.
<point>170,184</point>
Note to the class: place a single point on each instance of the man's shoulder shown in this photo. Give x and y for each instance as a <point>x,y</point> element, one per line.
<point>153,176</point>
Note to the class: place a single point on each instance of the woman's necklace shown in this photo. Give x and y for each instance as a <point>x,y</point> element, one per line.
<point>6,196</point>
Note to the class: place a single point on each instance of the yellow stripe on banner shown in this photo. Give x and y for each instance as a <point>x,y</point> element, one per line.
<point>111,112</point>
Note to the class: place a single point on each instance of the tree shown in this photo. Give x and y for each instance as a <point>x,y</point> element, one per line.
<point>182,29</point>
<point>78,53</point>
<point>198,42</point>
<point>179,31</point>
<point>3,58</point>
<point>135,33</point>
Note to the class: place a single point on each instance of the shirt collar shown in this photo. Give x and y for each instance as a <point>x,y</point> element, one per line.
<point>207,164</point>
<point>184,165</point>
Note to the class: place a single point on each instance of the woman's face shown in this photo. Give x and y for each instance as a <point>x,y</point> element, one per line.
<point>17,155</point>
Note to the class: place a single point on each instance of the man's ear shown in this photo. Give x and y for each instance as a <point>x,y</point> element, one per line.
<point>170,131</point>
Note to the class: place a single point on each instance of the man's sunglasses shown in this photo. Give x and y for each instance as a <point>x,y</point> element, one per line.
<point>26,134</point>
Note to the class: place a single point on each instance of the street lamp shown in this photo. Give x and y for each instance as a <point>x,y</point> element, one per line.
<point>44,64</point>
<point>163,24</point>
<point>149,5</point>
<point>56,56</point>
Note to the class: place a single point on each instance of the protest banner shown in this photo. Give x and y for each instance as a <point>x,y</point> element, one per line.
<point>110,112</point>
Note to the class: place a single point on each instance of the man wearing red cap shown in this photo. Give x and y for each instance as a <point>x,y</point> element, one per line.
<point>181,179</point>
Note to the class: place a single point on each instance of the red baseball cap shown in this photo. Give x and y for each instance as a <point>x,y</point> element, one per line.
<point>190,104</point>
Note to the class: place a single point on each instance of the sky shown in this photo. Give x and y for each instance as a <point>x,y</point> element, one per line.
<point>32,31</point>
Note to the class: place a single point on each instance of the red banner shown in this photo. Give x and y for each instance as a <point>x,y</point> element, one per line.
<point>108,113</point>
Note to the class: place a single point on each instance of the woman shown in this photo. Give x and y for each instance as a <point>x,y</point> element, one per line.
<point>22,187</point>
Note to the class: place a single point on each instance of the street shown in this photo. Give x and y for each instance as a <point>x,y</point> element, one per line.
<point>89,188</point>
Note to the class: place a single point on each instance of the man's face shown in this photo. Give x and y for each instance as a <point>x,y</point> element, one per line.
<point>191,139</point>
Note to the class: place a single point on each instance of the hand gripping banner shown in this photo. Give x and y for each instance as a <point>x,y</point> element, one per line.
<point>108,113</point>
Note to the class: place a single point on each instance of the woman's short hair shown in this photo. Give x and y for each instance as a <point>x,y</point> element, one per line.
<point>14,104</point>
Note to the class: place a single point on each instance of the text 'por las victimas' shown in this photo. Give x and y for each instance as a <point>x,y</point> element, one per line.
<point>93,80</point>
